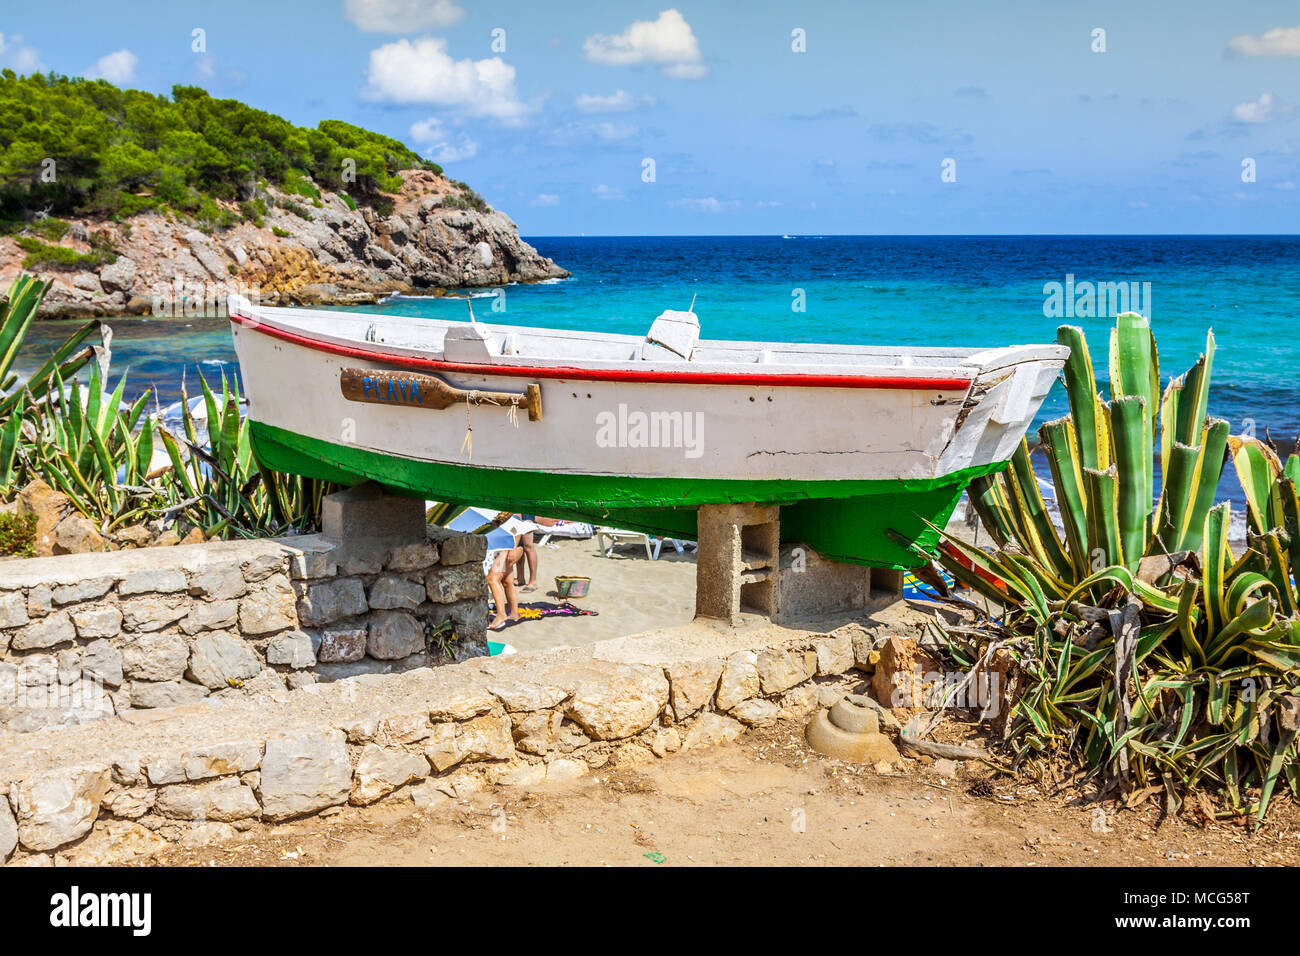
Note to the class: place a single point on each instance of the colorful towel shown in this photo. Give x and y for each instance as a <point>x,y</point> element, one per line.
<point>541,609</point>
<point>918,590</point>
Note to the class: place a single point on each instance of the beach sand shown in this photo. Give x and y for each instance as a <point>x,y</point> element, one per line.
<point>629,592</point>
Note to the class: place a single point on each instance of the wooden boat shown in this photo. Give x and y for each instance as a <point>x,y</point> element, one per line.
<point>637,432</point>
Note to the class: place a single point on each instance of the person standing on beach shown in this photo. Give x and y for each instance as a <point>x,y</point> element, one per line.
<point>530,554</point>
<point>501,582</point>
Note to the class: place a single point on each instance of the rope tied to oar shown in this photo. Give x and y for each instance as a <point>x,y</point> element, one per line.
<point>473,397</point>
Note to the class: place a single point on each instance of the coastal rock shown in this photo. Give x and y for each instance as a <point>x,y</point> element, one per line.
<point>76,534</point>
<point>119,276</point>
<point>49,506</point>
<point>834,654</point>
<point>756,712</point>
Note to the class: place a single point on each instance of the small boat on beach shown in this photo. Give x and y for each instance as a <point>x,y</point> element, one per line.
<point>637,432</point>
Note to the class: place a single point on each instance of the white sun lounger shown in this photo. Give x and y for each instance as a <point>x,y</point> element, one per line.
<point>652,543</point>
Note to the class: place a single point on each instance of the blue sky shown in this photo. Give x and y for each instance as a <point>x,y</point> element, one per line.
<point>748,136</point>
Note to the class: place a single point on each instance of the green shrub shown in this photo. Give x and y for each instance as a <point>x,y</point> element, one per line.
<point>282,233</point>
<point>253,210</point>
<point>49,228</point>
<point>351,203</point>
<point>41,255</point>
<point>123,151</point>
<point>17,535</point>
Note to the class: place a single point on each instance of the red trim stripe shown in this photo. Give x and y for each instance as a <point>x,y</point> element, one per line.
<point>913,383</point>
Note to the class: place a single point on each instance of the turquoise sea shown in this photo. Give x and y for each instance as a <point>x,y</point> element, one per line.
<point>882,290</point>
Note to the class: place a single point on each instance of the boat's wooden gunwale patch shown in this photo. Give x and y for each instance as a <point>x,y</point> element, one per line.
<point>417,390</point>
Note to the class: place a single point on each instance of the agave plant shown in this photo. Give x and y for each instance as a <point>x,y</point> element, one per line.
<point>16,393</point>
<point>95,450</point>
<point>1146,647</point>
<point>218,483</point>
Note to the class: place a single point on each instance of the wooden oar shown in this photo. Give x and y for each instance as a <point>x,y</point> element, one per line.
<point>417,390</point>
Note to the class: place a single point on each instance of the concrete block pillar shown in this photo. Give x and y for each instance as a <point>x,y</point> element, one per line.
<point>736,564</point>
<point>364,517</point>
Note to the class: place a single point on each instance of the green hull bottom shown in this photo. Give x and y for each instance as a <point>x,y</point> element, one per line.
<point>842,520</point>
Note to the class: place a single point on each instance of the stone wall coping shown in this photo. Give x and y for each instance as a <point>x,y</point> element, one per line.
<point>72,568</point>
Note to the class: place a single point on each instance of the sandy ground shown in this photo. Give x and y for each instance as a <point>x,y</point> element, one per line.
<point>629,592</point>
<point>763,800</point>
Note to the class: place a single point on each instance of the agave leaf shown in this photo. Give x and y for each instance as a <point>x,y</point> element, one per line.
<point>1081,390</point>
<point>1215,558</point>
<point>1205,482</point>
<point>1191,416</point>
<point>1257,467</point>
<point>1129,437</point>
<point>1103,518</point>
<point>1135,372</point>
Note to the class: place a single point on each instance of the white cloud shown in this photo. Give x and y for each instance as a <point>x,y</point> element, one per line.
<point>441,146</point>
<point>667,43</point>
<point>422,72</point>
<point>117,67</point>
<point>17,57</point>
<point>607,192</point>
<point>1280,41</point>
<point>707,204</point>
<point>620,101</point>
<point>1263,110</point>
<point>545,199</point>
<point>614,132</point>
<point>402,16</point>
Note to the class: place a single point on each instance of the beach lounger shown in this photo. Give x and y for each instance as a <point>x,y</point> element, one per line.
<point>652,544</point>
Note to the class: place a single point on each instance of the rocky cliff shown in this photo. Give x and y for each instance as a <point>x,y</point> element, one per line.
<point>433,236</point>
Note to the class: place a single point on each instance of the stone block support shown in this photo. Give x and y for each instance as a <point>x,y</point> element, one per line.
<point>736,565</point>
<point>365,517</point>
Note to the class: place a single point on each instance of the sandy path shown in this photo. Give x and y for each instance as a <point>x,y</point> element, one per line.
<point>764,800</point>
<point>631,593</point>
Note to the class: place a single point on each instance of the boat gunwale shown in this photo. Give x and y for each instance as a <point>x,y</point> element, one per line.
<point>617,371</point>
<point>295,319</point>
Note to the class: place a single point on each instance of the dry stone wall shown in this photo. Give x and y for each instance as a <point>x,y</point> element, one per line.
<point>83,795</point>
<point>88,636</point>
